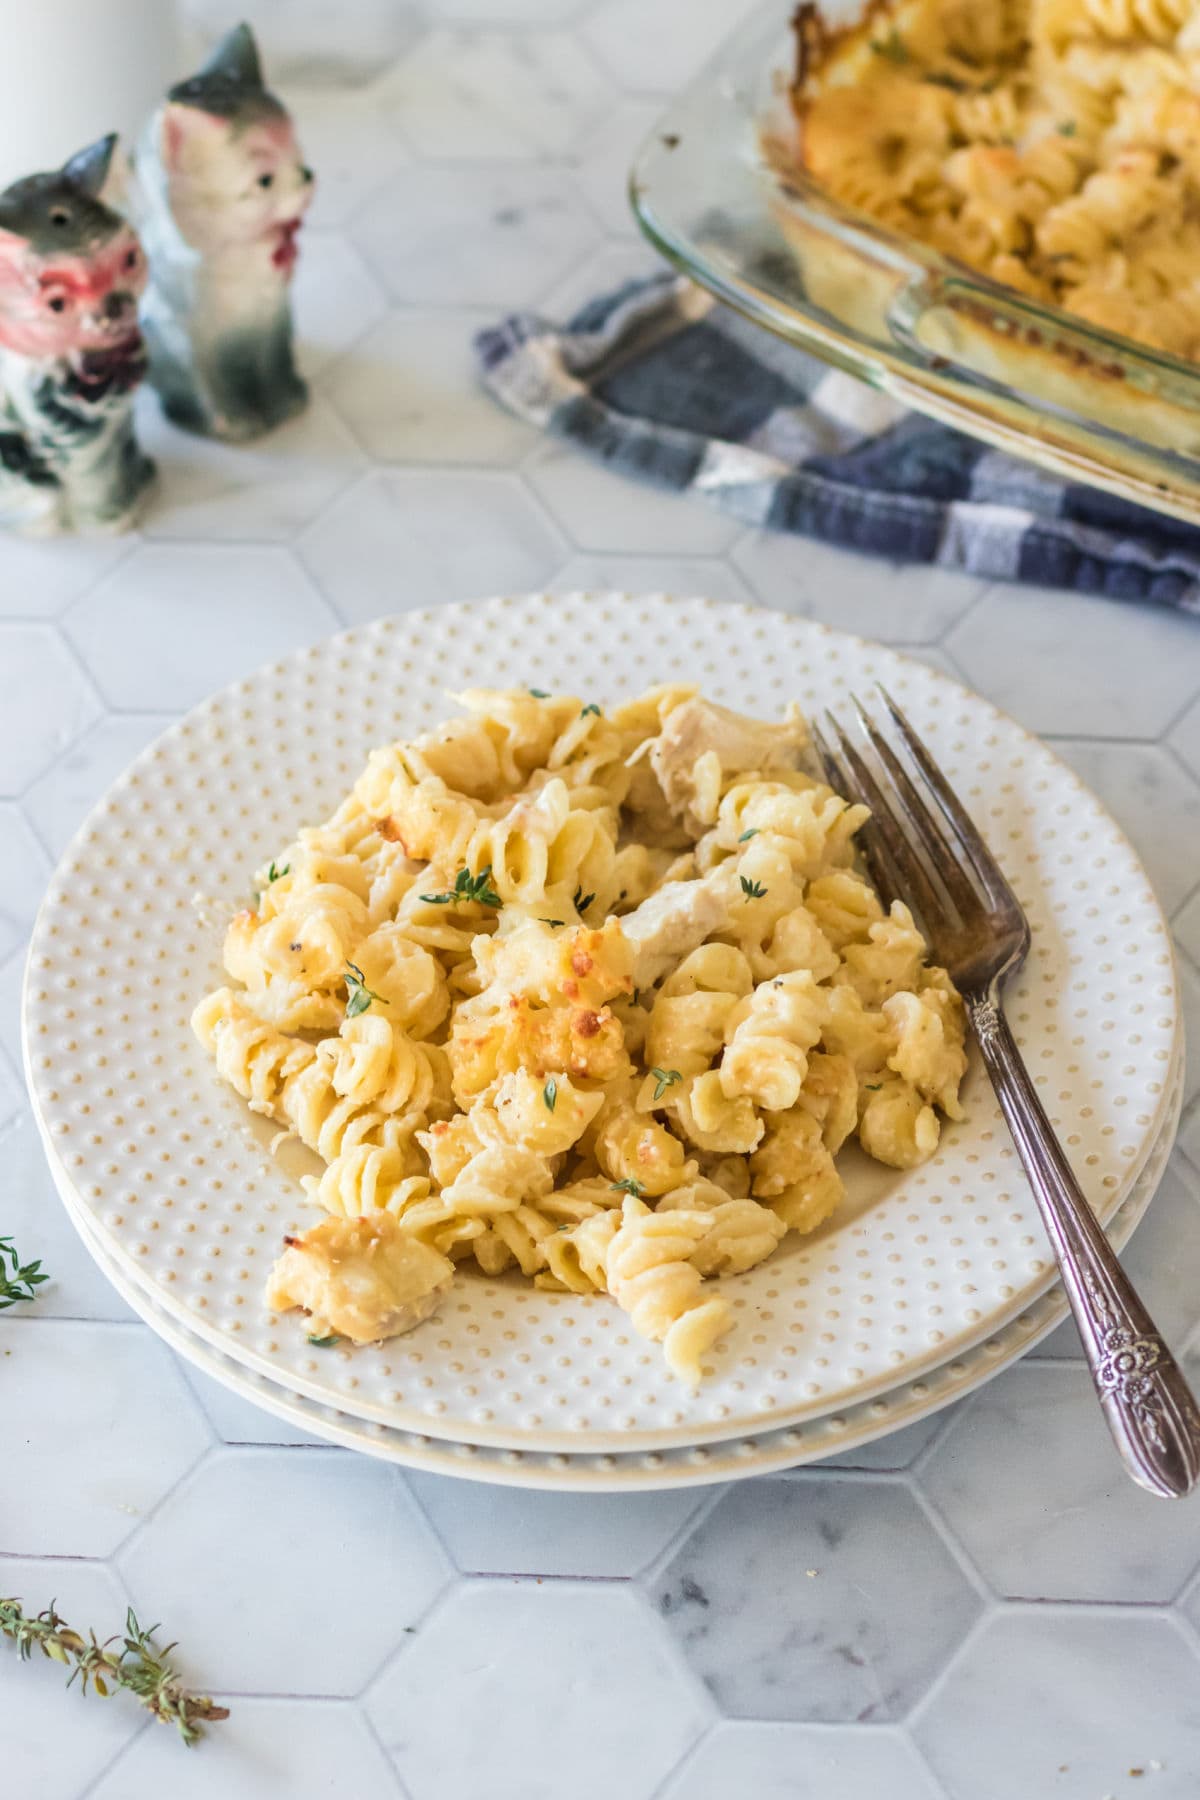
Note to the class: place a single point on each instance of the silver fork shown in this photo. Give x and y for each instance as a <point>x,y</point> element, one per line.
<point>932,857</point>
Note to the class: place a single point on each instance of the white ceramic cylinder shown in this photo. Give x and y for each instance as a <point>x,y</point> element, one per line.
<point>71,70</point>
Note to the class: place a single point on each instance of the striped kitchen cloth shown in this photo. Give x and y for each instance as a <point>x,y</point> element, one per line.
<point>664,383</point>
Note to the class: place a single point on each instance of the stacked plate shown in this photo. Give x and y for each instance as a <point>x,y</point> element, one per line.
<point>923,1284</point>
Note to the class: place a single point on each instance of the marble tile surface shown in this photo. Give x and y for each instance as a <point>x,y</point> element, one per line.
<point>802,1762</point>
<point>976,1608</point>
<point>57,1742</point>
<point>267,1523</point>
<point>452,1716</point>
<point>784,1605</point>
<point>1078,1704</point>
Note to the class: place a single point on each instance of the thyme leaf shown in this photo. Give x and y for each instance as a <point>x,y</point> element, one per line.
<point>892,47</point>
<point>664,1079</point>
<point>468,887</point>
<point>139,1666</point>
<point>20,1280</point>
<point>358,995</point>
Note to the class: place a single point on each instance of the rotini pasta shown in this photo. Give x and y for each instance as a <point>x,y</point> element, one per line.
<point>592,998</point>
<point>1052,144</point>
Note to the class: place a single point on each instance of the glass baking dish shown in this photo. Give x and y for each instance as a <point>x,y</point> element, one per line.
<point>939,337</point>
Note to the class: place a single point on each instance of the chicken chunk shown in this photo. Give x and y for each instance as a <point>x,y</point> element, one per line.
<point>698,729</point>
<point>665,927</point>
<point>361,1278</point>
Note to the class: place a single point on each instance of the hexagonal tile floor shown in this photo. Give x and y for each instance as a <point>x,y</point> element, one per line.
<point>977,1609</point>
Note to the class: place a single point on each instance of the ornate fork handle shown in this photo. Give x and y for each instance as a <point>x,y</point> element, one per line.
<point>1146,1401</point>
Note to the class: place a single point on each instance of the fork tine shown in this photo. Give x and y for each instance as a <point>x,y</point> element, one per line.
<point>843,782</point>
<point>982,861</point>
<point>914,882</point>
<point>958,885</point>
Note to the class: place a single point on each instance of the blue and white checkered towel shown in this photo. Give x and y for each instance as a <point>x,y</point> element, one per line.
<point>664,383</point>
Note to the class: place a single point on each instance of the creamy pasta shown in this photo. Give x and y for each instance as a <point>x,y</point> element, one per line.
<point>594,996</point>
<point>1052,144</point>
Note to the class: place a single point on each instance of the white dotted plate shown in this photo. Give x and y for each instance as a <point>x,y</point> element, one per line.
<point>698,1466</point>
<point>915,1268</point>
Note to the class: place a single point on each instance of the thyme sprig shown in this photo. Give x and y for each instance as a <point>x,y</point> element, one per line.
<point>581,901</point>
<point>892,47</point>
<point>664,1079</point>
<point>550,1094</point>
<point>19,1281</point>
<point>358,995</point>
<point>138,1666</point>
<point>628,1186</point>
<point>753,890</point>
<point>468,887</point>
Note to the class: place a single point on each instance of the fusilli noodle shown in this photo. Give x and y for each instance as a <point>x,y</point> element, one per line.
<point>592,997</point>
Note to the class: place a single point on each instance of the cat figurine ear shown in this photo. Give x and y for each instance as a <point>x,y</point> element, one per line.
<point>88,169</point>
<point>71,353</point>
<point>235,59</point>
<point>222,193</point>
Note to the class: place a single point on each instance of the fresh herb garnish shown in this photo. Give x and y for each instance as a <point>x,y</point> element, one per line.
<point>747,835</point>
<point>628,1186</point>
<point>539,693</point>
<point>665,1078</point>
<point>551,921</point>
<point>274,874</point>
<point>872,1087</point>
<point>892,47</point>
<point>139,1666</point>
<point>753,890</point>
<point>580,900</point>
<point>942,78</point>
<point>594,710</point>
<point>467,887</point>
<point>20,1280</point>
<point>358,995</point>
<point>550,1094</point>
<point>1067,128</point>
<point>323,1343</point>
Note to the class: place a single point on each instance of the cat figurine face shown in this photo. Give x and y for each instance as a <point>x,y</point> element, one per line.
<point>71,353</point>
<point>237,182</point>
<point>224,191</point>
<point>71,269</point>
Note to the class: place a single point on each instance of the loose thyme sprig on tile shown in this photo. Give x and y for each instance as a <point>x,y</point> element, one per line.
<point>19,1281</point>
<point>139,1666</point>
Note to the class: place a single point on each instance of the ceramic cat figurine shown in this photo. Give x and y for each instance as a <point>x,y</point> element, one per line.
<point>71,353</point>
<point>221,194</point>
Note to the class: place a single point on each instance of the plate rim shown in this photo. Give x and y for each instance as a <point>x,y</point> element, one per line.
<point>613,1472</point>
<point>543,1438</point>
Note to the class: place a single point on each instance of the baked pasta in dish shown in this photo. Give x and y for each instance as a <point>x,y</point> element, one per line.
<point>1052,144</point>
<point>592,995</point>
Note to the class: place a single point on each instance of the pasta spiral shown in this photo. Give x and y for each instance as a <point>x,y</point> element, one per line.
<point>589,997</point>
